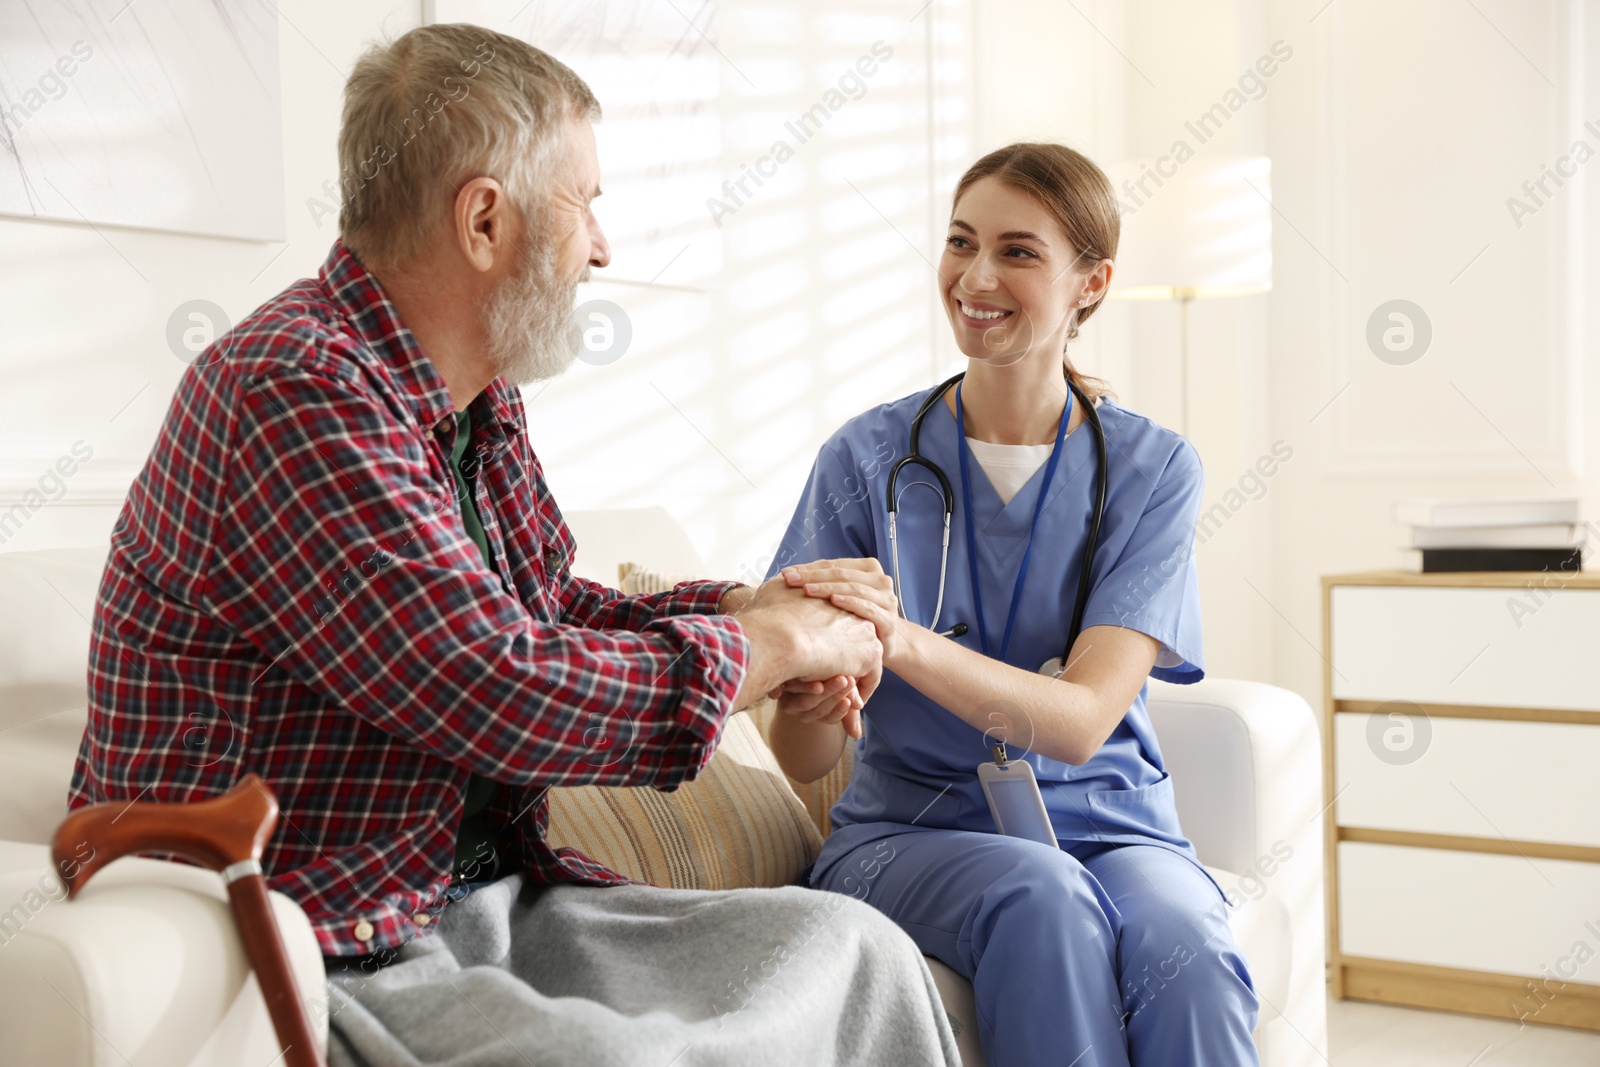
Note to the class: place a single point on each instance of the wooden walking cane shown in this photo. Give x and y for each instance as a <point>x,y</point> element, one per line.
<point>227,834</point>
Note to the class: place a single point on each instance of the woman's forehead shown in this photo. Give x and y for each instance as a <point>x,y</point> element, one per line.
<point>990,205</point>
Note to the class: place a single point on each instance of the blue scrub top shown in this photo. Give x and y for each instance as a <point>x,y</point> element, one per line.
<point>917,763</point>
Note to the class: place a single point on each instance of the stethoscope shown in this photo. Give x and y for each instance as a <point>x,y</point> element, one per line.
<point>1052,667</point>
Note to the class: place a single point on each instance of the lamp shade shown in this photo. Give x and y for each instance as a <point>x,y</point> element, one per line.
<point>1193,229</point>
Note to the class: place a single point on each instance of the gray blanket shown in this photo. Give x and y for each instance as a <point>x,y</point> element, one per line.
<point>635,975</point>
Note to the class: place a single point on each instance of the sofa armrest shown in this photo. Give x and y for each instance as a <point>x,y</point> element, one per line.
<point>1246,764</point>
<point>145,966</point>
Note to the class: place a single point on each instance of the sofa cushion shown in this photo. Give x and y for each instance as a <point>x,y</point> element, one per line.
<point>144,966</point>
<point>46,601</point>
<point>41,727</point>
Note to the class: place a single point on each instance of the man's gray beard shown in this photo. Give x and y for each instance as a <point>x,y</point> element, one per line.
<point>528,321</point>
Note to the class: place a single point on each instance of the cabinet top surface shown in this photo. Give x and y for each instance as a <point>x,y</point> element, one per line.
<point>1471,579</point>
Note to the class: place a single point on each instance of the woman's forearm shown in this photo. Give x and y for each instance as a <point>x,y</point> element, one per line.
<point>1066,720</point>
<point>1051,716</point>
<point>805,750</point>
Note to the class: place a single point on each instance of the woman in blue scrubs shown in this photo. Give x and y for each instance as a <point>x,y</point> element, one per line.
<point>1113,948</point>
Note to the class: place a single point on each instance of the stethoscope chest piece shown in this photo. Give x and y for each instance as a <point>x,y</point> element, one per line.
<point>1052,667</point>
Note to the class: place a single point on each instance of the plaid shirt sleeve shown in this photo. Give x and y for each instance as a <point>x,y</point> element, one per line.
<point>586,603</point>
<point>344,561</point>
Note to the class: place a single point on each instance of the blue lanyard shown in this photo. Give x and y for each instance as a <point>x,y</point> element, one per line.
<point>972,544</point>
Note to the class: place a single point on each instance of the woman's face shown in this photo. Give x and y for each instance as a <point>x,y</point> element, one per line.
<point>1009,276</point>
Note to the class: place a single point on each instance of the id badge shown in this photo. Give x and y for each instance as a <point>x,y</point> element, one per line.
<point>1014,800</point>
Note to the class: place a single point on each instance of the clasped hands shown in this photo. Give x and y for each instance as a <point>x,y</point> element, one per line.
<point>852,621</point>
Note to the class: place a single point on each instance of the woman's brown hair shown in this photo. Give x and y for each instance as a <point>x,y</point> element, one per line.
<point>1069,186</point>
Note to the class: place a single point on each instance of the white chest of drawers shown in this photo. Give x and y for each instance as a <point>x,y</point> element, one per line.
<point>1461,739</point>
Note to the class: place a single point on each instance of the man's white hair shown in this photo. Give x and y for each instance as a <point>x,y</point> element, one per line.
<point>435,108</point>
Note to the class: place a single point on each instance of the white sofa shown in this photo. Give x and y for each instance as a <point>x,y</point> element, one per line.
<point>144,968</point>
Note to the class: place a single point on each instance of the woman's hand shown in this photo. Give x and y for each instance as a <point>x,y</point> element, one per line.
<point>860,587</point>
<point>836,700</point>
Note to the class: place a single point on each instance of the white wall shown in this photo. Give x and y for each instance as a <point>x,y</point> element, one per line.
<point>1396,132</point>
<point>823,303</point>
<point>83,351</point>
<point>1398,138</point>
<point>818,301</point>
<point>1179,61</point>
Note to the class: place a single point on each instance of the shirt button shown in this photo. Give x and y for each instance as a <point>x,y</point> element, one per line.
<point>363,931</point>
<point>422,918</point>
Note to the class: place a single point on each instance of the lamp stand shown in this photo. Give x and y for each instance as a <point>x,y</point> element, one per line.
<point>1184,294</point>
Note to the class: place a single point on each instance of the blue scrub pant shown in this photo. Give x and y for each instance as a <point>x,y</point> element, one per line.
<point>1121,958</point>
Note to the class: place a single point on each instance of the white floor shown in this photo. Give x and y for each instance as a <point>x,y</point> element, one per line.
<point>1377,1035</point>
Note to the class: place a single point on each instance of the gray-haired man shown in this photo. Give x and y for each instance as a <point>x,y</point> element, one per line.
<point>342,536</point>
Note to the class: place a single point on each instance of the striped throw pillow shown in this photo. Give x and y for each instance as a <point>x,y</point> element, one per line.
<point>739,824</point>
<point>818,796</point>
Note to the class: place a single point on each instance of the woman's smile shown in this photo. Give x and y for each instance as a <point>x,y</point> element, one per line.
<point>978,315</point>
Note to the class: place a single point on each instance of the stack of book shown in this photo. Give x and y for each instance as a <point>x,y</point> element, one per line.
<point>1507,534</point>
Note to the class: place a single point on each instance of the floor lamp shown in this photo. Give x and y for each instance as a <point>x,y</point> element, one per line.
<point>1193,230</point>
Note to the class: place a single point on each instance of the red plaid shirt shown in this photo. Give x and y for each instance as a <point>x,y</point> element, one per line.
<point>291,591</point>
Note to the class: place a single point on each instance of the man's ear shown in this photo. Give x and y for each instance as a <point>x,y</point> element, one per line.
<point>481,222</point>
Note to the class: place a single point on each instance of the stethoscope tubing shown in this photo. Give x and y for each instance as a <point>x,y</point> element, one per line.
<point>915,458</point>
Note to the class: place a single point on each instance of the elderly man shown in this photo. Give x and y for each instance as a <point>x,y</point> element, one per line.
<point>341,568</point>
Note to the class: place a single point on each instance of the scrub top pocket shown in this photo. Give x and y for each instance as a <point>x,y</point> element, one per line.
<point>1147,815</point>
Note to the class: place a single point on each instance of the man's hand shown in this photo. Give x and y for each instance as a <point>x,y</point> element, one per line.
<point>797,637</point>
<point>860,587</point>
<point>745,598</point>
<point>834,641</point>
<point>735,600</point>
